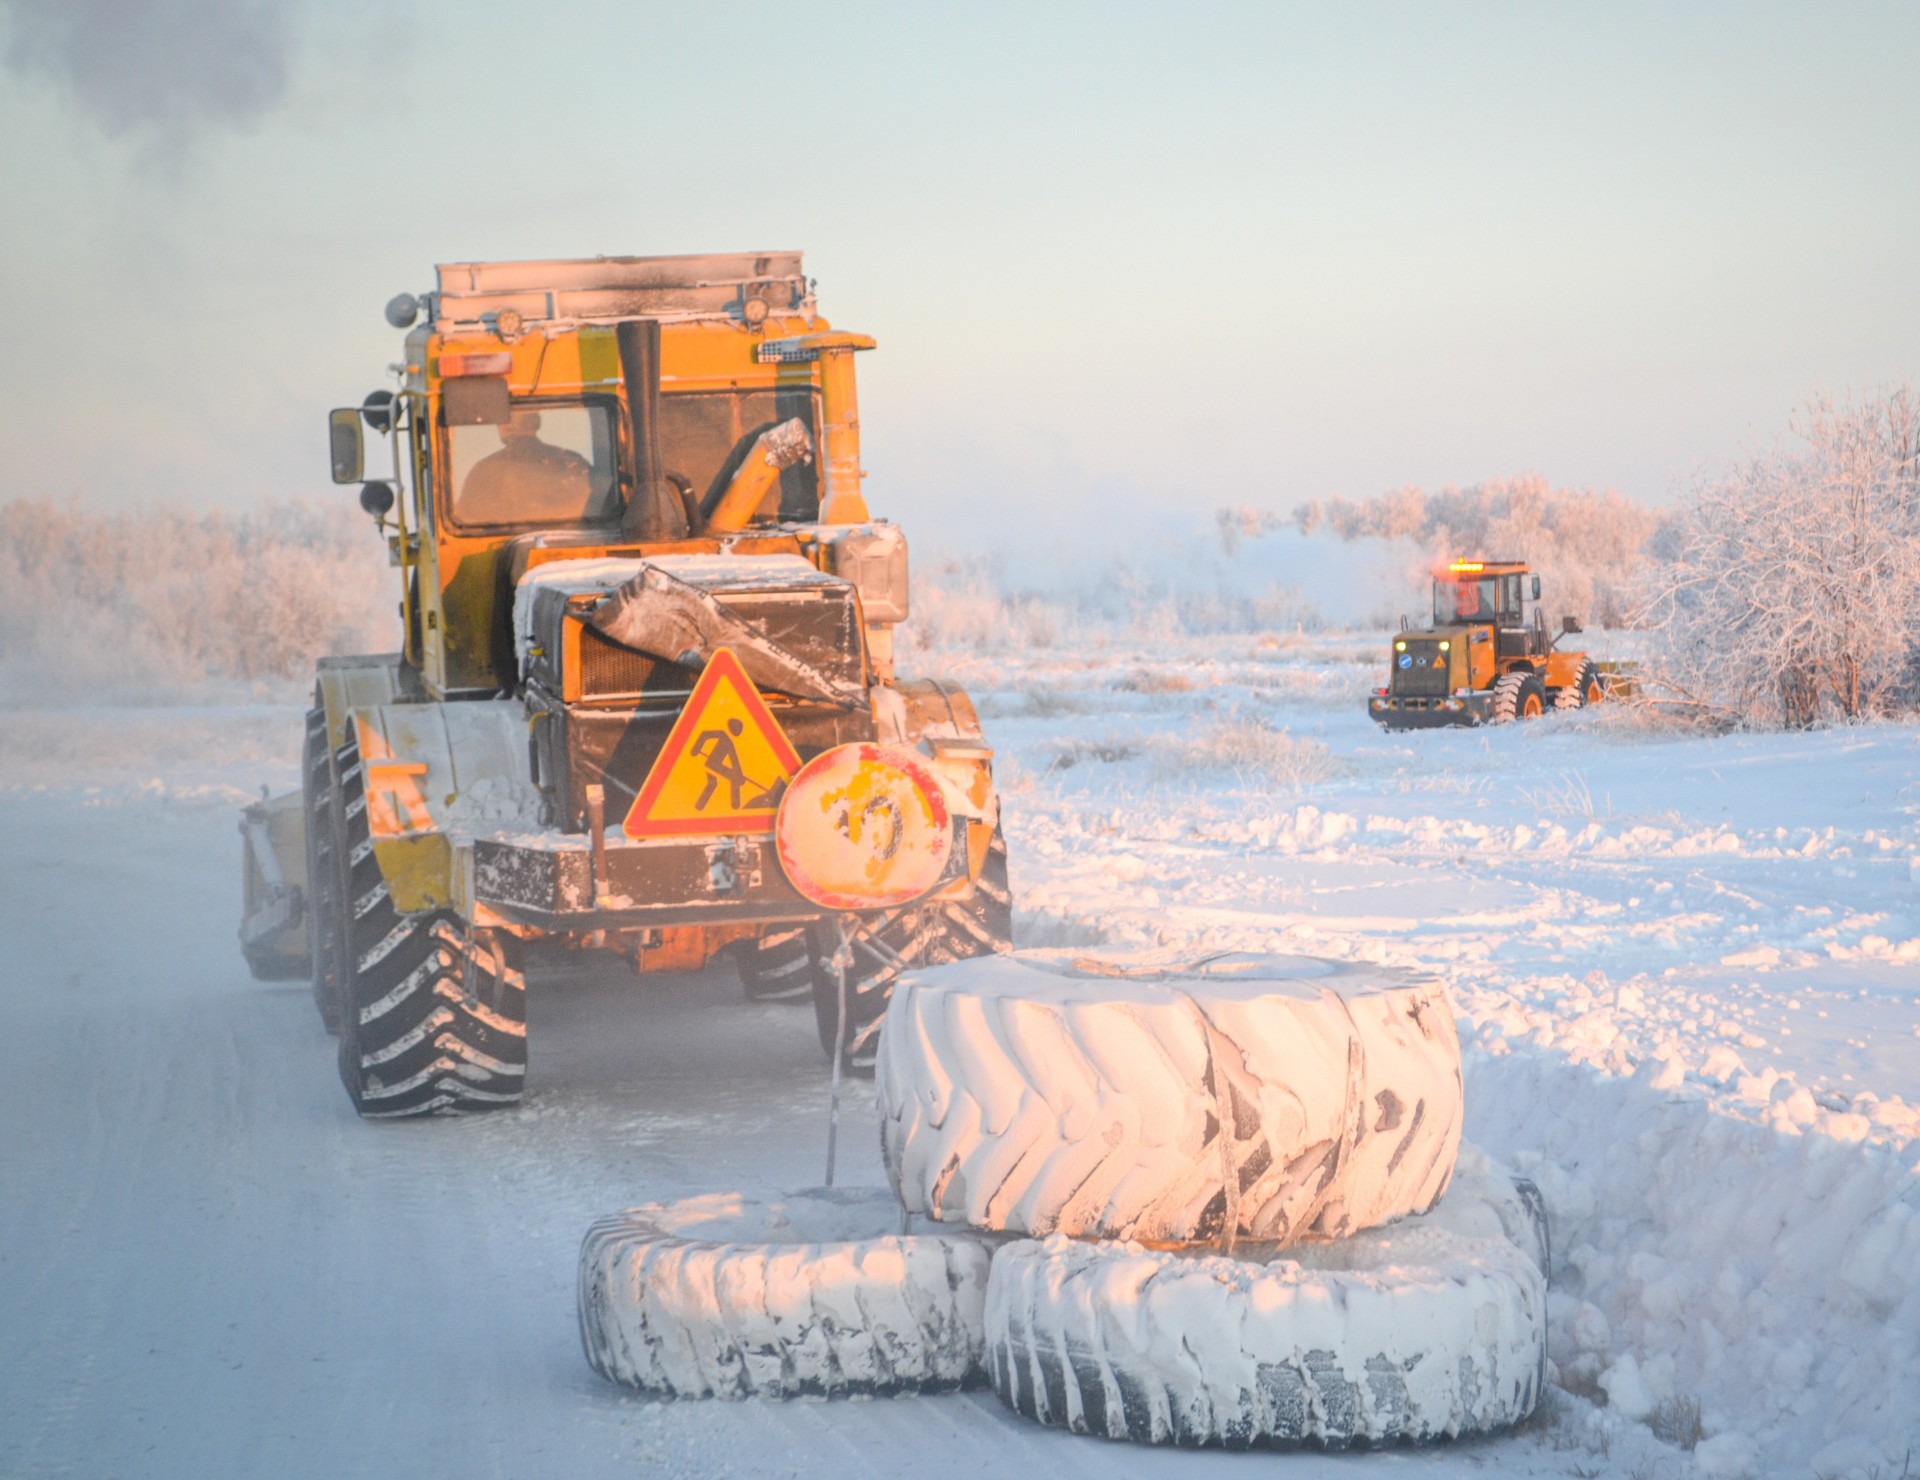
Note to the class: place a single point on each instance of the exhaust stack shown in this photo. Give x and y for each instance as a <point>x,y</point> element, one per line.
<point>654,511</point>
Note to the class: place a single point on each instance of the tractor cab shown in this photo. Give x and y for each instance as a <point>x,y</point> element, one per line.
<point>1486,658</point>
<point>1468,591</point>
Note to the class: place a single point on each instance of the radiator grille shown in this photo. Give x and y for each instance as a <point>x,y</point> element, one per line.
<point>610,671</point>
<point>1420,677</point>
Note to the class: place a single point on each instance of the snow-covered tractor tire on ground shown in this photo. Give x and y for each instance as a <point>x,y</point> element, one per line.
<point>813,1293</point>
<point>1282,1096</point>
<point>433,1016</point>
<point>1518,695</point>
<point>1433,1327</point>
<point>778,966</point>
<point>902,940</point>
<point>1585,689</point>
<point>323,876</point>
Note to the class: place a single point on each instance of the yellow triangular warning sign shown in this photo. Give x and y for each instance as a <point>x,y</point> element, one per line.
<point>725,765</point>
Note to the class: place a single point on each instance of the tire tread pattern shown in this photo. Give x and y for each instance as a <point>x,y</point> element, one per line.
<point>1432,1332</point>
<point>433,1017</point>
<point>902,940</point>
<point>1185,1118</point>
<point>686,1317</point>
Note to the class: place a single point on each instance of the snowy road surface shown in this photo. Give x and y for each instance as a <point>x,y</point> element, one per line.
<point>1687,970</point>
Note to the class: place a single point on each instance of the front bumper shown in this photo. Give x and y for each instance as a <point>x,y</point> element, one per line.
<point>547,881</point>
<point>1395,712</point>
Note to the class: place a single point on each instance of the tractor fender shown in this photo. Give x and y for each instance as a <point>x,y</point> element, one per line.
<point>342,685</point>
<point>435,772</point>
<point>939,720</point>
<point>1563,669</point>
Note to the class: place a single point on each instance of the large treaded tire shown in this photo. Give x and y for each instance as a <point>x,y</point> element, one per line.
<point>814,1293</point>
<point>902,940</point>
<point>1584,690</point>
<point>323,868</point>
<point>778,966</point>
<point>434,1017</point>
<point>1037,1096</point>
<point>1518,695</point>
<point>1434,1327</point>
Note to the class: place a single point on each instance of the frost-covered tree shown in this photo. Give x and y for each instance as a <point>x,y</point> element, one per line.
<point>1788,587</point>
<point>145,600</point>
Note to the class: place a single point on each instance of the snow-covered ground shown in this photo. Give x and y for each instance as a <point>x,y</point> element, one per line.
<point>1687,971</point>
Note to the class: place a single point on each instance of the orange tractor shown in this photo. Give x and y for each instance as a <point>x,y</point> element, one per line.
<point>1486,659</point>
<point>645,698</point>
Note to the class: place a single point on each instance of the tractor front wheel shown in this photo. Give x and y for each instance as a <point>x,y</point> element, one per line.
<point>777,966</point>
<point>323,871</point>
<point>1584,690</point>
<point>433,1014</point>
<point>885,945</point>
<point>1518,696</point>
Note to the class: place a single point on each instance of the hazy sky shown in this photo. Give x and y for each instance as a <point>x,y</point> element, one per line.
<point>1143,259</point>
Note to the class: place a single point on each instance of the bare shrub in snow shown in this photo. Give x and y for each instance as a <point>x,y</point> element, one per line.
<point>959,607</point>
<point>1155,681</point>
<point>1588,544</point>
<point>1082,750</point>
<point>140,603</point>
<point>1676,1420</point>
<point>1788,588</point>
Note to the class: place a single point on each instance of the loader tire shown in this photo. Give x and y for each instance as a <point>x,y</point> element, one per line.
<point>1584,690</point>
<point>1434,1327</point>
<point>888,944</point>
<point>1268,1097</point>
<point>433,1015</point>
<point>323,868</point>
<point>1518,695</point>
<point>819,1293</point>
<point>778,966</point>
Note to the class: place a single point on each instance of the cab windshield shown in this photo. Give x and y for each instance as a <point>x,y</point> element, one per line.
<point>1459,599</point>
<point>549,463</point>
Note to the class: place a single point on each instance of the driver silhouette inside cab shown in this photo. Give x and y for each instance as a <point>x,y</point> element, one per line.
<point>527,479</point>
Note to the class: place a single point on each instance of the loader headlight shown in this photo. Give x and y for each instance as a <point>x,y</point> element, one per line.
<point>1399,647</point>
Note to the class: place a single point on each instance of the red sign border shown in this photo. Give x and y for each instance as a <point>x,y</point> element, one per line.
<point>723,664</point>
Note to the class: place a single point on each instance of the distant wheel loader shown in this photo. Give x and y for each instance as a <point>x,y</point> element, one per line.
<point>645,698</point>
<point>1487,658</point>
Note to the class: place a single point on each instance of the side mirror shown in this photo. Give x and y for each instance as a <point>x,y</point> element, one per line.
<point>376,499</point>
<point>349,454</point>
<point>1536,588</point>
<point>1570,625</point>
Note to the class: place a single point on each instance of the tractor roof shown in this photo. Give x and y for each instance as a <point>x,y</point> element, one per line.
<point>603,290</point>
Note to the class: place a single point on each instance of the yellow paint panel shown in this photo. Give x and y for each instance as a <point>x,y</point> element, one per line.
<point>418,871</point>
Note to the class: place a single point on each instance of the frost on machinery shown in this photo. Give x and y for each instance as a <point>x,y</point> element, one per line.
<point>1487,658</point>
<point>640,593</point>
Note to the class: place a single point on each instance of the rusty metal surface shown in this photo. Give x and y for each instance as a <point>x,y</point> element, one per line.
<point>591,289</point>
<point>548,882</point>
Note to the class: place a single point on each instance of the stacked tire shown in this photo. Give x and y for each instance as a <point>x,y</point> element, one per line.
<point>1223,1205</point>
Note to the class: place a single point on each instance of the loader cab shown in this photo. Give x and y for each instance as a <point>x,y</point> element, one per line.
<point>1468,593</point>
<point>1481,593</point>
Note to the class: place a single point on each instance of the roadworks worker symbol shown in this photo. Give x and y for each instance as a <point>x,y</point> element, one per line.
<point>725,765</point>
